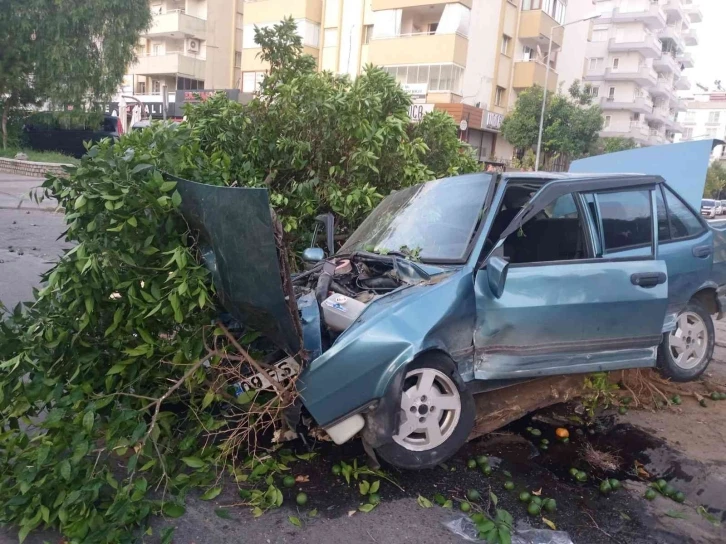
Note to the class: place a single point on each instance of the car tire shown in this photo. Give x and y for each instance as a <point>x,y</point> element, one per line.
<point>684,353</point>
<point>423,446</point>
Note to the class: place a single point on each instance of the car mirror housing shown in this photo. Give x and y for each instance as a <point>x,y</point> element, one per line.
<point>313,255</point>
<point>496,269</point>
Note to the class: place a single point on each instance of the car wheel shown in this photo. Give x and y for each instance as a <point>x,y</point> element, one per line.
<point>437,415</point>
<point>684,353</point>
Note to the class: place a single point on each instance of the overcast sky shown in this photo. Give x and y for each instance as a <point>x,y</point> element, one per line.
<point>710,54</point>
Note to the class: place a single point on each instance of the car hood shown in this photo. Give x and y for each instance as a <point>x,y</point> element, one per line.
<point>235,233</point>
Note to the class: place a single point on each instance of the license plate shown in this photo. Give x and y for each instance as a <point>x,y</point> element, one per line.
<point>284,370</point>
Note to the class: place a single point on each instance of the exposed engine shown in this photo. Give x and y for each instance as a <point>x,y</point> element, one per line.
<point>344,287</point>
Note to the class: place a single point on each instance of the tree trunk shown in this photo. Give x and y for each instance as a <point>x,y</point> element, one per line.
<point>6,106</point>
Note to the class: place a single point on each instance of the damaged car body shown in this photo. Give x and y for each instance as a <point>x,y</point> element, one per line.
<point>466,284</point>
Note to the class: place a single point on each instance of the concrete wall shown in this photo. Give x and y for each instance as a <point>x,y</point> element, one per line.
<point>478,78</point>
<point>31,169</point>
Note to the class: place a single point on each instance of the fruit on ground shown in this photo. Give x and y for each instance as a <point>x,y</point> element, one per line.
<point>622,410</point>
<point>715,396</point>
<point>626,400</point>
<point>676,399</point>
<point>465,507</point>
<point>702,402</point>
<point>524,496</point>
<point>301,499</point>
<point>661,484</point>
<point>482,460</point>
<point>561,432</point>
<point>289,481</point>
<point>536,500</point>
<point>679,497</point>
<point>581,476</point>
<point>471,463</point>
<point>573,472</point>
<point>565,440</point>
<point>473,495</point>
<point>536,432</point>
<point>487,470</point>
<point>533,509</point>
<point>508,485</point>
<point>650,494</point>
<point>374,498</point>
<point>550,505</point>
<point>615,484</point>
<point>605,487</point>
<point>669,491</point>
<point>336,469</point>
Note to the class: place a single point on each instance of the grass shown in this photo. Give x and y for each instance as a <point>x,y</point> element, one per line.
<point>38,156</point>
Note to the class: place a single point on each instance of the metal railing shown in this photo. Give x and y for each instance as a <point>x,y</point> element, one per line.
<point>416,34</point>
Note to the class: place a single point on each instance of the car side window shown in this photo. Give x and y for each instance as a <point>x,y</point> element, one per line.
<point>664,230</point>
<point>555,234</point>
<point>626,218</point>
<point>683,222</point>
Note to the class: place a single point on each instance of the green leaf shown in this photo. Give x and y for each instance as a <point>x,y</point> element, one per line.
<point>306,456</point>
<point>211,494</point>
<point>88,418</point>
<point>493,498</point>
<point>375,486</point>
<point>295,521</point>
<point>167,186</point>
<point>132,221</point>
<point>313,513</point>
<point>223,513</point>
<point>193,462</point>
<point>167,535</point>
<point>23,533</point>
<point>549,524</point>
<point>676,514</point>
<point>208,398</point>
<point>423,502</point>
<point>366,507</point>
<point>65,470</point>
<point>116,369</point>
<point>173,510</point>
<point>364,487</point>
<point>141,168</point>
<point>448,504</point>
<point>505,535</point>
<point>176,199</point>
<point>80,202</point>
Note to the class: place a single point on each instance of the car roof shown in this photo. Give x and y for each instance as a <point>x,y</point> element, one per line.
<point>551,176</point>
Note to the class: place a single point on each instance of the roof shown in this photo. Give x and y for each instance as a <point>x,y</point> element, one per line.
<point>550,176</point>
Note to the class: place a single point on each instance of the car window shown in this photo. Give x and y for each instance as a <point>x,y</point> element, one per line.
<point>555,234</point>
<point>664,230</point>
<point>684,222</point>
<point>626,218</point>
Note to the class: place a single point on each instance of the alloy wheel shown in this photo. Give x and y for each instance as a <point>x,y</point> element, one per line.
<point>431,408</point>
<point>688,343</point>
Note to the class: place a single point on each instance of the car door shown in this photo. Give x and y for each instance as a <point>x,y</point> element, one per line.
<point>569,309</point>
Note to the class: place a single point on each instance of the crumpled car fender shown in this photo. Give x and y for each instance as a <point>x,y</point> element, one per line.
<point>360,366</point>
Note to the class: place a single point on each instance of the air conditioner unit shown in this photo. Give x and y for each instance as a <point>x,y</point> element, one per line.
<point>193,46</point>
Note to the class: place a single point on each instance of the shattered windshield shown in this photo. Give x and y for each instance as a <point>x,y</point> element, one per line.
<point>432,221</point>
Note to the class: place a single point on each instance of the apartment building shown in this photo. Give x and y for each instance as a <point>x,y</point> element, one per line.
<point>705,118</point>
<point>467,57</point>
<point>634,57</point>
<point>191,45</point>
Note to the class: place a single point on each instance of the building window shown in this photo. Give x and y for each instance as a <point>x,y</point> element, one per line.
<point>238,59</point>
<point>251,81</point>
<point>690,117</point>
<point>593,91</point>
<point>688,133</point>
<point>611,94</point>
<point>367,34</point>
<point>711,132</point>
<point>499,96</point>
<point>432,28</point>
<point>437,77</point>
<point>141,87</point>
<point>156,49</point>
<point>187,84</point>
<point>506,42</point>
<point>607,121</point>
<point>714,116</point>
<point>616,63</point>
<point>596,64</point>
<point>527,53</point>
<point>155,86</point>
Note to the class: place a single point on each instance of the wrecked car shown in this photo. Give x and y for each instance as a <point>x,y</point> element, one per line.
<point>466,284</point>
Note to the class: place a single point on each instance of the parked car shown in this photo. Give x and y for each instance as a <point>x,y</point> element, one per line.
<point>466,284</point>
<point>723,206</point>
<point>719,207</point>
<point>708,208</point>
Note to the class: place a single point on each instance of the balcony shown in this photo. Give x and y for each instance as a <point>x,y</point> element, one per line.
<point>672,124</point>
<point>686,59</point>
<point>656,137</point>
<point>694,12</point>
<point>679,105</point>
<point>690,37</point>
<point>647,45</point>
<point>423,48</point>
<point>267,11</point>
<point>667,63</point>
<point>649,14</point>
<point>674,8</point>
<point>682,84</point>
<point>674,35</point>
<point>177,24</point>
<point>379,5</point>
<point>172,63</point>
<point>644,76</point>
<point>530,73</point>
<point>663,88</point>
<point>639,104</point>
<point>535,27</point>
<point>658,115</point>
<point>638,131</point>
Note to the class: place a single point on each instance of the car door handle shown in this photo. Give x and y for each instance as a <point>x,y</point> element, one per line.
<point>648,279</point>
<point>702,251</point>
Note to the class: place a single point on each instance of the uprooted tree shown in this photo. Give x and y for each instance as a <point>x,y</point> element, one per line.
<point>117,382</point>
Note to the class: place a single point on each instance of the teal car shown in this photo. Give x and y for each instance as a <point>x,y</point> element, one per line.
<point>467,284</point>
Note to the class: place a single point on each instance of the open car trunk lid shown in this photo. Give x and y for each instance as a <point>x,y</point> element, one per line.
<point>242,248</point>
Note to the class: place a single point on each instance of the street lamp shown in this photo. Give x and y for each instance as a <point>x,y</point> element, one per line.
<point>547,77</point>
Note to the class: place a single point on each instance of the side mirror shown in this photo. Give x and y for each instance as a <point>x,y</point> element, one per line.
<point>497,269</point>
<point>313,255</point>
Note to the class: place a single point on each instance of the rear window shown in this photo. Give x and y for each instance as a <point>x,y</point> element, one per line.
<point>709,203</point>
<point>684,222</point>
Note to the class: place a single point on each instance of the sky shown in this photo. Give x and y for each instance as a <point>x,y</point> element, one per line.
<point>710,62</point>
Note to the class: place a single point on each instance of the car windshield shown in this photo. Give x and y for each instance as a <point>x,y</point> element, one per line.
<point>708,203</point>
<point>433,221</point>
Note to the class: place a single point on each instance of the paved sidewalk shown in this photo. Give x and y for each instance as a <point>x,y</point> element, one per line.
<point>15,193</point>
